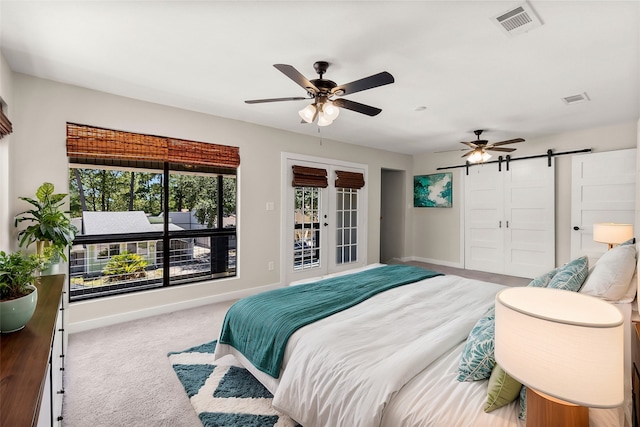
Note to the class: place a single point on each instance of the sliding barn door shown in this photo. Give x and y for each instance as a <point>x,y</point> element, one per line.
<point>529,212</point>
<point>509,218</point>
<point>484,222</point>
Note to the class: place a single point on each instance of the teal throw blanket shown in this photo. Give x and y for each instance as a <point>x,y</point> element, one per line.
<point>259,326</point>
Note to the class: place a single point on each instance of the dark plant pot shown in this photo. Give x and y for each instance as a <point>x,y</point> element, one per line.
<point>16,313</point>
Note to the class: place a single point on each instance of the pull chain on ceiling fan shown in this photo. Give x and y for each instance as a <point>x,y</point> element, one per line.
<point>325,106</point>
<point>479,148</point>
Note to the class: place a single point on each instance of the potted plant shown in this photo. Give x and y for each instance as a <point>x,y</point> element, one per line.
<point>51,227</point>
<point>18,295</point>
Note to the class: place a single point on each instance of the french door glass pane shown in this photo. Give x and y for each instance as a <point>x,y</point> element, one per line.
<point>306,235</point>
<point>346,225</point>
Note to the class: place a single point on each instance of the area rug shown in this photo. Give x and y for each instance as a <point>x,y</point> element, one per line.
<point>223,393</point>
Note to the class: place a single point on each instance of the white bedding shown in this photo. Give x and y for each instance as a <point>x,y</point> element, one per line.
<point>392,361</point>
<point>347,367</point>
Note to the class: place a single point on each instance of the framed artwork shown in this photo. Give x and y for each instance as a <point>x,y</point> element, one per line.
<point>432,191</point>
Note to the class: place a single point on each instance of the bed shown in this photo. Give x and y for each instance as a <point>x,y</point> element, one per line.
<point>394,359</point>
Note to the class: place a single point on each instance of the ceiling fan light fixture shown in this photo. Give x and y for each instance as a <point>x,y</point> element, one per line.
<point>323,120</point>
<point>307,113</point>
<point>479,156</point>
<point>330,111</point>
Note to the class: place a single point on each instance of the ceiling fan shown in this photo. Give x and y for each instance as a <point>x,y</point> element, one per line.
<point>479,147</point>
<point>325,106</point>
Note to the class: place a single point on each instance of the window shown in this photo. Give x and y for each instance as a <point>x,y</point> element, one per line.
<point>149,224</point>
<point>105,250</point>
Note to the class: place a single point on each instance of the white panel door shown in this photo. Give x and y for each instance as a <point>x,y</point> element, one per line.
<point>603,189</point>
<point>510,218</point>
<point>484,239</point>
<point>529,244</point>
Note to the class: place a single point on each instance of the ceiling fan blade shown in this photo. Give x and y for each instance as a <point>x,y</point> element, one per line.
<point>357,107</point>
<point>258,101</point>
<point>510,141</point>
<point>295,75</point>
<point>467,154</point>
<point>507,150</point>
<point>470,144</point>
<point>449,151</point>
<point>370,82</point>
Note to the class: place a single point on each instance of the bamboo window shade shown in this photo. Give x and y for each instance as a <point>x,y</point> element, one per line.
<point>354,180</point>
<point>5,124</point>
<point>85,141</point>
<point>304,176</point>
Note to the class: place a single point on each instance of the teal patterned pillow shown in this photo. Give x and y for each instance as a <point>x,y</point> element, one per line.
<point>478,357</point>
<point>523,404</point>
<point>543,280</point>
<point>571,276</point>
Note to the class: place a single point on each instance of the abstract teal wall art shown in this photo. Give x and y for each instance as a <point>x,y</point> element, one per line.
<point>432,191</point>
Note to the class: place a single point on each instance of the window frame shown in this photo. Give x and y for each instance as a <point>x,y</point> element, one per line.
<point>220,266</point>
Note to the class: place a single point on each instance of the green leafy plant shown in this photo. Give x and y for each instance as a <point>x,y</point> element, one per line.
<point>51,225</point>
<point>17,271</point>
<point>125,266</point>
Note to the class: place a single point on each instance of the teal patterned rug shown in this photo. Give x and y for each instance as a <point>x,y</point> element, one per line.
<point>223,393</point>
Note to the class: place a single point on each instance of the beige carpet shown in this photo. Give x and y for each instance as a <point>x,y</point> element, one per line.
<point>120,375</point>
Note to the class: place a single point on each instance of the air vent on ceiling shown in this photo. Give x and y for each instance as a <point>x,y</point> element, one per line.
<point>518,20</point>
<point>574,99</point>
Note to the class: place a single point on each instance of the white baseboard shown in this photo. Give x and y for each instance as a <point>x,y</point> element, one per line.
<point>163,309</point>
<point>437,261</point>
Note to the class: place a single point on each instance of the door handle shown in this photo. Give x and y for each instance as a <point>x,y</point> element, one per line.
<point>576,228</point>
<point>325,224</point>
<point>507,224</point>
<point>499,224</point>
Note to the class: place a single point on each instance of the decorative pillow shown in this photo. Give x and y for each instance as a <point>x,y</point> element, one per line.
<point>630,295</point>
<point>571,276</point>
<point>502,389</point>
<point>523,404</point>
<point>478,357</point>
<point>543,280</point>
<point>612,273</point>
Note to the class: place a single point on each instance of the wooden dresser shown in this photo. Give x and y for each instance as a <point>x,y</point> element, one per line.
<point>32,362</point>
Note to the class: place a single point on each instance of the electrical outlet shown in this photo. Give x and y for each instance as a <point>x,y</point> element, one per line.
<point>270,206</point>
<point>271,266</point>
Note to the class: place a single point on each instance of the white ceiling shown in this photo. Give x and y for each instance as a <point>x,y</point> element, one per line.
<point>447,56</point>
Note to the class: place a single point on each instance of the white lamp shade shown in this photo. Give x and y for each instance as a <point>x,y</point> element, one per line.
<point>323,120</point>
<point>609,232</point>
<point>330,111</point>
<point>308,113</point>
<point>561,343</point>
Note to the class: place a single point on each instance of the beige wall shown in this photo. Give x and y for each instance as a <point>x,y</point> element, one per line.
<point>437,232</point>
<point>43,107</point>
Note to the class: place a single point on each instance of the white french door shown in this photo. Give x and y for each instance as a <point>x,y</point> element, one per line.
<point>325,228</point>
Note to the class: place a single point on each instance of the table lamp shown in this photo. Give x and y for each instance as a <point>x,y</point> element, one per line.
<point>612,233</point>
<point>566,347</point>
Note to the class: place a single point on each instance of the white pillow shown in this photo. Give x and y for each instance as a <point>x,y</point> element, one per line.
<point>630,295</point>
<point>612,273</point>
